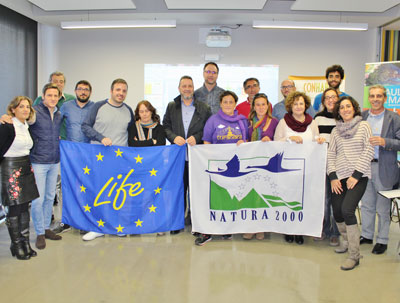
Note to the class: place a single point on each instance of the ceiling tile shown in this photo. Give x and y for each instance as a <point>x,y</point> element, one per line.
<point>76,5</point>
<point>345,5</point>
<point>215,4</point>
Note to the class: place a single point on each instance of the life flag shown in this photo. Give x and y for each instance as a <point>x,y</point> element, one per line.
<point>122,190</point>
<point>258,187</point>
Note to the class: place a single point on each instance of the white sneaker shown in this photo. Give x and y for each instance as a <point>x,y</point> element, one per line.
<point>91,235</point>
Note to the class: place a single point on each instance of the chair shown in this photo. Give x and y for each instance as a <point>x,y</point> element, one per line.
<point>394,196</point>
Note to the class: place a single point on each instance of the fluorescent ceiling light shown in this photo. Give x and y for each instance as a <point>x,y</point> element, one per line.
<point>340,26</point>
<point>118,24</point>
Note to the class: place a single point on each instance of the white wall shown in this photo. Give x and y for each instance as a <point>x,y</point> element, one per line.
<point>100,56</point>
<point>48,53</point>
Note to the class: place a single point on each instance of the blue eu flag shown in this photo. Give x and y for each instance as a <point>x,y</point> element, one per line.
<point>122,190</point>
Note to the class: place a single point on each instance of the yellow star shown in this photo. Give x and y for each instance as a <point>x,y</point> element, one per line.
<point>118,153</point>
<point>119,228</point>
<point>152,208</point>
<point>138,159</point>
<point>83,188</point>
<point>86,170</point>
<point>87,207</point>
<point>153,172</point>
<point>101,223</point>
<point>138,223</point>
<point>157,191</point>
<point>99,157</point>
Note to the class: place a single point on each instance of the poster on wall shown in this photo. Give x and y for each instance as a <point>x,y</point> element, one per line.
<point>313,85</point>
<point>388,75</point>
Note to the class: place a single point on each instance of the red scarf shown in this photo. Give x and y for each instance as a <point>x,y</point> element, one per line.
<point>295,125</point>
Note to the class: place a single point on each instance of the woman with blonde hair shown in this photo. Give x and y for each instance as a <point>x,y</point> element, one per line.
<point>18,186</point>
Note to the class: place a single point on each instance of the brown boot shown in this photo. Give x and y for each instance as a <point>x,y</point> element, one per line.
<point>48,234</point>
<point>40,242</point>
<point>344,244</point>
<point>248,236</point>
<point>353,235</point>
<point>260,236</point>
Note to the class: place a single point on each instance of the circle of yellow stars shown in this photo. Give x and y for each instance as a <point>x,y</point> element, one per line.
<point>138,158</point>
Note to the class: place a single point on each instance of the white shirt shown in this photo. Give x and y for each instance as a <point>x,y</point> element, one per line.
<point>307,136</point>
<point>22,142</point>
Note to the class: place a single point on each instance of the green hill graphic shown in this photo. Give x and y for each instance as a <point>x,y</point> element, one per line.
<point>277,201</point>
<point>221,200</point>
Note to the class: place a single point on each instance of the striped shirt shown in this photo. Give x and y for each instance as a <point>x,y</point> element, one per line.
<point>325,125</point>
<point>350,157</point>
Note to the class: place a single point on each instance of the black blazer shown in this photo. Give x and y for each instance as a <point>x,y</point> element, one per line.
<point>173,123</point>
<point>7,136</point>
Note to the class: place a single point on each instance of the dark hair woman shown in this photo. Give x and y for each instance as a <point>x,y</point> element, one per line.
<point>349,168</point>
<point>226,126</point>
<point>147,130</point>
<point>326,123</point>
<point>18,186</point>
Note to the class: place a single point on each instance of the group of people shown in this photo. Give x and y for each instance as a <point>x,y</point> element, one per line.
<point>362,147</point>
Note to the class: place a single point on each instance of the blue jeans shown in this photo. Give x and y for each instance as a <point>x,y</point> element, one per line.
<point>42,207</point>
<point>329,227</point>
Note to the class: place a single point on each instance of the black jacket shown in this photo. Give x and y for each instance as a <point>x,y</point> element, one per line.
<point>7,136</point>
<point>173,123</point>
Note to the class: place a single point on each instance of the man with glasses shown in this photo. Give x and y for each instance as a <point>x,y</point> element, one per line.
<point>287,87</point>
<point>74,114</point>
<point>75,111</point>
<point>251,87</point>
<point>385,126</point>
<point>334,75</point>
<point>210,92</point>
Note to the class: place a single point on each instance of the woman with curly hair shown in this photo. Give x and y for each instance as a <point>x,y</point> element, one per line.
<point>297,126</point>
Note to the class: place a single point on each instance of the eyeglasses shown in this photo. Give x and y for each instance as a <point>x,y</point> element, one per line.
<point>331,98</point>
<point>210,72</point>
<point>287,86</point>
<point>86,90</point>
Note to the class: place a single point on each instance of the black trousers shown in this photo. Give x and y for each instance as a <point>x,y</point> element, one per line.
<point>344,205</point>
<point>186,184</point>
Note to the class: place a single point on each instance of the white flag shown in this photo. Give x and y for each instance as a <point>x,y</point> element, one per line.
<point>257,187</point>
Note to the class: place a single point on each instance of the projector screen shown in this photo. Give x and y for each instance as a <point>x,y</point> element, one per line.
<point>161,81</point>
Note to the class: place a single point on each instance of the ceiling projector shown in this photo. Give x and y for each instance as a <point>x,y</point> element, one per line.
<point>218,38</point>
